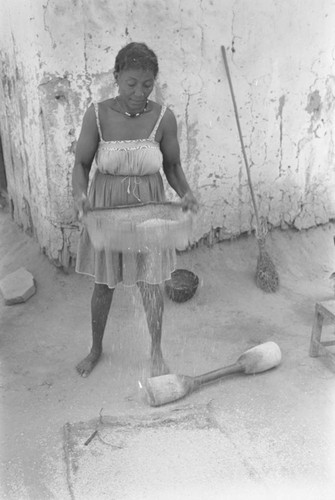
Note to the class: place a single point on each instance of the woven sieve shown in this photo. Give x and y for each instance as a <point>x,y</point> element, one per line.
<point>140,227</point>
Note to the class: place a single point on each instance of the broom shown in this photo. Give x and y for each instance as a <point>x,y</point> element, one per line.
<point>266,274</point>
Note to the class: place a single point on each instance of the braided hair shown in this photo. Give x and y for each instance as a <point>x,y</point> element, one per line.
<point>136,56</point>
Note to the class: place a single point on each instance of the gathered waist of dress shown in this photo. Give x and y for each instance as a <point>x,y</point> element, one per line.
<point>126,188</point>
<point>125,175</point>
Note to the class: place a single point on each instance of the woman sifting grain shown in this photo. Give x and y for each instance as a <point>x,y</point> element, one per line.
<point>132,138</point>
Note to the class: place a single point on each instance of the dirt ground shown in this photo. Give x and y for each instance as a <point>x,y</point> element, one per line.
<point>279,424</point>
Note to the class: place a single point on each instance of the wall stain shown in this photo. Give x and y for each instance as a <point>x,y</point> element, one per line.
<point>314,104</point>
<point>279,115</point>
<point>26,209</point>
<point>55,88</point>
<point>314,107</point>
<point>46,27</point>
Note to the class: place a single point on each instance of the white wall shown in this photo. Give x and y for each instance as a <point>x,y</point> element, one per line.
<point>58,55</point>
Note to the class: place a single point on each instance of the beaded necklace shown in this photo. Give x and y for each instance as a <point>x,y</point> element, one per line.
<point>133,115</point>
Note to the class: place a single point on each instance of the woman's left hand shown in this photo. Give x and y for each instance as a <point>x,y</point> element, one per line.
<point>189,202</point>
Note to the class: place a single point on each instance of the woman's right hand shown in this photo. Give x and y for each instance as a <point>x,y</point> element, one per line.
<point>189,202</point>
<point>82,205</point>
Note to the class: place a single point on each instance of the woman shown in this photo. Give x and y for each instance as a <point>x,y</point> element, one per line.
<point>131,137</point>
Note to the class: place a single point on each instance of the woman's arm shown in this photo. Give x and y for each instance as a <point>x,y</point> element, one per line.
<point>171,162</point>
<point>86,148</point>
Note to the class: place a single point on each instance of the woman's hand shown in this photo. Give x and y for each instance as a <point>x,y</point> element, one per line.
<point>189,202</point>
<point>82,205</point>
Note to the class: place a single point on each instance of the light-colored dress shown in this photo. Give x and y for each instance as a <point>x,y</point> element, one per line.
<point>128,173</point>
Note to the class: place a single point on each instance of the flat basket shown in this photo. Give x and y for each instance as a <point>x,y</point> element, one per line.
<point>140,227</point>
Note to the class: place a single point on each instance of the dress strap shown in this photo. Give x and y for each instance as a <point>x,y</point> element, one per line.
<point>96,107</point>
<point>153,133</point>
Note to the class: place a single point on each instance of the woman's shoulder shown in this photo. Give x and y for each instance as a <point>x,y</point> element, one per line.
<point>105,104</point>
<point>89,115</point>
<point>162,110</point>
<point>168,118</point>
<point>167,122</point>
<point>160,107</point>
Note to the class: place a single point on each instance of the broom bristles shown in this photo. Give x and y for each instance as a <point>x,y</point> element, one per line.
<point>267,277</point>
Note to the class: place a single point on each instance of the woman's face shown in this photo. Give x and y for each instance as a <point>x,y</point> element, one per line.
<point>135,86</point>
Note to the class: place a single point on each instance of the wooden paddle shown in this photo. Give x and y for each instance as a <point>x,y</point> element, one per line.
<point>167,388</point>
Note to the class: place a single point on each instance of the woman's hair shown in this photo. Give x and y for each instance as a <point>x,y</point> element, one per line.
<point>136,56</point>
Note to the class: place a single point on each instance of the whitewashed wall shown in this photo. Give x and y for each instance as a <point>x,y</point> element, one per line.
<point>57,56</point>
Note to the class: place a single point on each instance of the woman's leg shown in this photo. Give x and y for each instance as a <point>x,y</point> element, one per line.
<point>153,303</point>
<point>100,306</point>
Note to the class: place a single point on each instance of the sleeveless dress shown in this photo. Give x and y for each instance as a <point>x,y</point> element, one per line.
<point>128,173</point>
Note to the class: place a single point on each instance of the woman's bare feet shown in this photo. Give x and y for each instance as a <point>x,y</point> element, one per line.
<point>158,366</point>
<point>85,366</point>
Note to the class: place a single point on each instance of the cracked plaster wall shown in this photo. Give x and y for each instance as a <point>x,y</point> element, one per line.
<point>58,55</point>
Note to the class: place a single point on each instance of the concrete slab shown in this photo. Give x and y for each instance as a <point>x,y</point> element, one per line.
<point>17,287</point>
<point>172,455</point>
<point>197,452</point>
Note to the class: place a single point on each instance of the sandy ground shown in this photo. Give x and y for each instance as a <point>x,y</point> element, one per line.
<point>278,427</point>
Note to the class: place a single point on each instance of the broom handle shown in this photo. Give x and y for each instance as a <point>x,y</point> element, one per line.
<point>225,60</point>
<point>216,374</point>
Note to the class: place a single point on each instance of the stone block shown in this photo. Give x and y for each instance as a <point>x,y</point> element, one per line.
<point>18,286</point>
